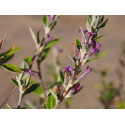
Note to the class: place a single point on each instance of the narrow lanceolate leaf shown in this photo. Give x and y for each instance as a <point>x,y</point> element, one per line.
<point>31,88</point>
<point>103,25</point>
<point>13,51</point>
<point>33,36</point>
<point>5,59</point>
<point>15,82</point>
<point>52,25</point>
<point>61,76</point>
<point>99,56</point>
<point>43,55</point>
<point>44,20</point>
<point>50,102</point>
<point>98,37</point>
<point>89,20</point>
<point>51,43</point>
<point>78,44</point>
<point>11,68</point>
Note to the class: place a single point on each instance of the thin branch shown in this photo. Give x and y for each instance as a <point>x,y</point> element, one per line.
<point>41,79</point>
<point>20,100</point>
<point>8,97</point>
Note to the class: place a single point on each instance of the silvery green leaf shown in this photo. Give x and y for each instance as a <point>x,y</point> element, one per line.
<point>54,94</point>
<point>33,36</point>
<point>24,65</point>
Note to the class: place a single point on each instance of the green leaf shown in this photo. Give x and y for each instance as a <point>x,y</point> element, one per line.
<point>33,36</point>
<point>38,91</point>
<point>103,25</point>
<point>98,37</point>
<point>50,102</point>
<point>54,94</point>
<point>24,65</point>
<point>61,76</point>
<point>31,88</point>
<point>89,20</point>
<point>49,44</point>
<point>13,51</point>
<point>27,81</point>
<point>5,59</point>
<point>78,44</point>
<point>15,82</point>
<point>99,56</point>
<point>44,20</point>
<point>28,59</point>
<point>43,55</point>
<point>52,25</point>
<point>11,68</point>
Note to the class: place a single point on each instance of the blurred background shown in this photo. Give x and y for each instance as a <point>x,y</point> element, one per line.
<point>18,34</point>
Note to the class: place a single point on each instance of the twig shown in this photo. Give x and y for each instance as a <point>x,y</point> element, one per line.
<point>20,100</point>
<point>41,79</point>
<point>8,97</point>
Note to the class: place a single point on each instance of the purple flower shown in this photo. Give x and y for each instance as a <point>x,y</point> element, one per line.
<point>76,88</point>
<point>68,68</point>
<point>50,18</point>
<point>29,71</point>
<point>95,47</point>
<point>89,34</point>
<point>88,69</point>
<point>79,30</point>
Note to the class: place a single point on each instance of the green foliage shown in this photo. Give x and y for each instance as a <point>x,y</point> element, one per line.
<point>103,24</point>
<point>33,36</point>
<point>11,68</point>
<point>6,56</point>
<point>52,25</point>
<point>12,51</point>
<point>100,55</point>
<point>50,102</point>
<point>31,88</point>
<point>43,54</point>
<point>61,76</point>
<point>24,65</point>
<point>28,59</point>
<point>44,20</point>
<point>51,43</point>
<point>38,91</point>
<point>15,82</point>
<point>78,44</point>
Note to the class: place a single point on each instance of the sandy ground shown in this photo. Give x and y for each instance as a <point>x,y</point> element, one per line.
<point>18,34</point>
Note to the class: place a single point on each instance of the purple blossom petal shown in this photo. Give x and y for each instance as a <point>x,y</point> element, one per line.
<point>79,30</point>
<point>29,71</point>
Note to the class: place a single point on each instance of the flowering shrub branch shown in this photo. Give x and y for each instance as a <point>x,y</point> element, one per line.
<point>68,80</point>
